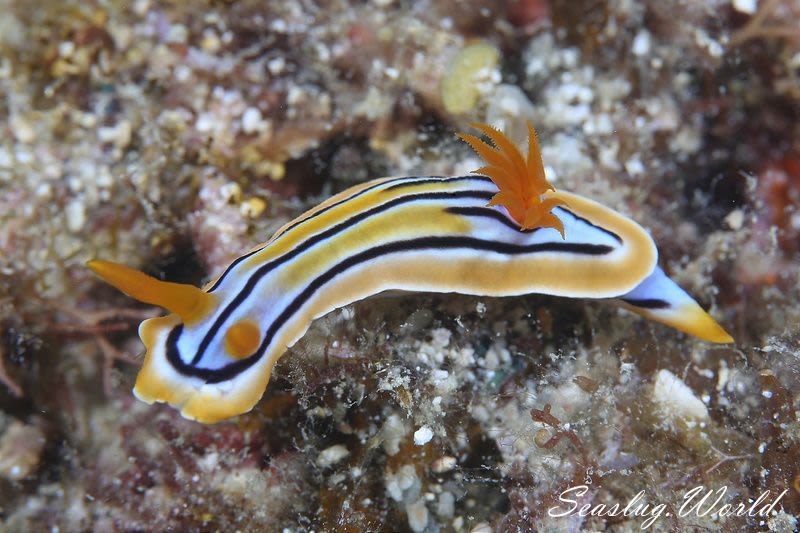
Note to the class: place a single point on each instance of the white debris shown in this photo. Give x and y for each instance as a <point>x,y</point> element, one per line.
<point>735,219</point>
<point>712,46</point>
<point>496,356</point>
<point>75,212</point>
<point>440,337</point>
<point>748,7</point>
<point>634,166</point>
<point>782,521</point>
<point>641,44</point>
<point>446,506</point>
<point>675,400</point>
<point>393,432</point>
<point>443,464</point>
<point>22,129</point>
<point>423,436</point>
<point>403,484</point>
<point>332,455</point>
<point>252,121</point>
<point>417,514</point>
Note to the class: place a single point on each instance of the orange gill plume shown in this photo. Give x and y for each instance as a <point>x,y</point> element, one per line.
<point>523,186</point>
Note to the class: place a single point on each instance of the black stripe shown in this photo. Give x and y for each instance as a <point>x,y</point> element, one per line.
<point>488,212</point>
<point>340,202</point>
<point>476,177</point>
<point>604,230</point>
<point>232,265</point>
<point>316,239</point>
<point>647,303</point>
<point>424,243</point>
<point>497,215</point>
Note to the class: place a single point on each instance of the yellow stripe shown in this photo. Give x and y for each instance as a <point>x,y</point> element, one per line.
<point>330,201</point>
<point>338,214</point>
<point>419,218</point>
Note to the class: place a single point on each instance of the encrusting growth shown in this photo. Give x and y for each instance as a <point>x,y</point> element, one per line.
<point>523,186</point>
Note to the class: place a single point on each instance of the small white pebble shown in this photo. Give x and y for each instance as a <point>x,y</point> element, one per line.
<point>44,191</point>
<point>276,65</point>
<point>279,26</point>
<point>735,219</point>
<point>22,129</point>
<point>177,33</point>
<point>417,514</point>
<point>703,40</point>
<point>183,73</point>
<point>745,6</point>
<point>675,399</point>
<point>641,44</point>
<point>634,166</point>
<point>795,221</point>
<point>119,134</point>
<point>446,505</point>
<point>204,123</point>
<point>295,96</point>
<point>104,178</point>
<point>423,436</point>
<point>140,7</point>
<point>210,42</point>
<point>66,48</point>
<point>332,455</point>
<point>401,484</point>
<point>440,338</point>
<point>443,464</point>
<point>75,213</point>
<point>394,429</point>
<point>252,121</point>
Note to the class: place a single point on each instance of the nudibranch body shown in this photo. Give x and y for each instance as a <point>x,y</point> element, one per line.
<point>501,234</point>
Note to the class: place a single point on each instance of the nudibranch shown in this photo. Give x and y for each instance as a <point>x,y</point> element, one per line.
<point>501,231</point>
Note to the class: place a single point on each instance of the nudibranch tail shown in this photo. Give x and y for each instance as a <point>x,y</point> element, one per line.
<point>186,301</point>
<point>660,299</point>
<point>521,181</point>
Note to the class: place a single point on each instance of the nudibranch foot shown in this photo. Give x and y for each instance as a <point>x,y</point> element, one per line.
<point>161,380</point>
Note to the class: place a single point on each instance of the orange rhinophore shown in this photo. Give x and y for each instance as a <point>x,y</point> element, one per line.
<point>186,301</point>
<point>523,186</point>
